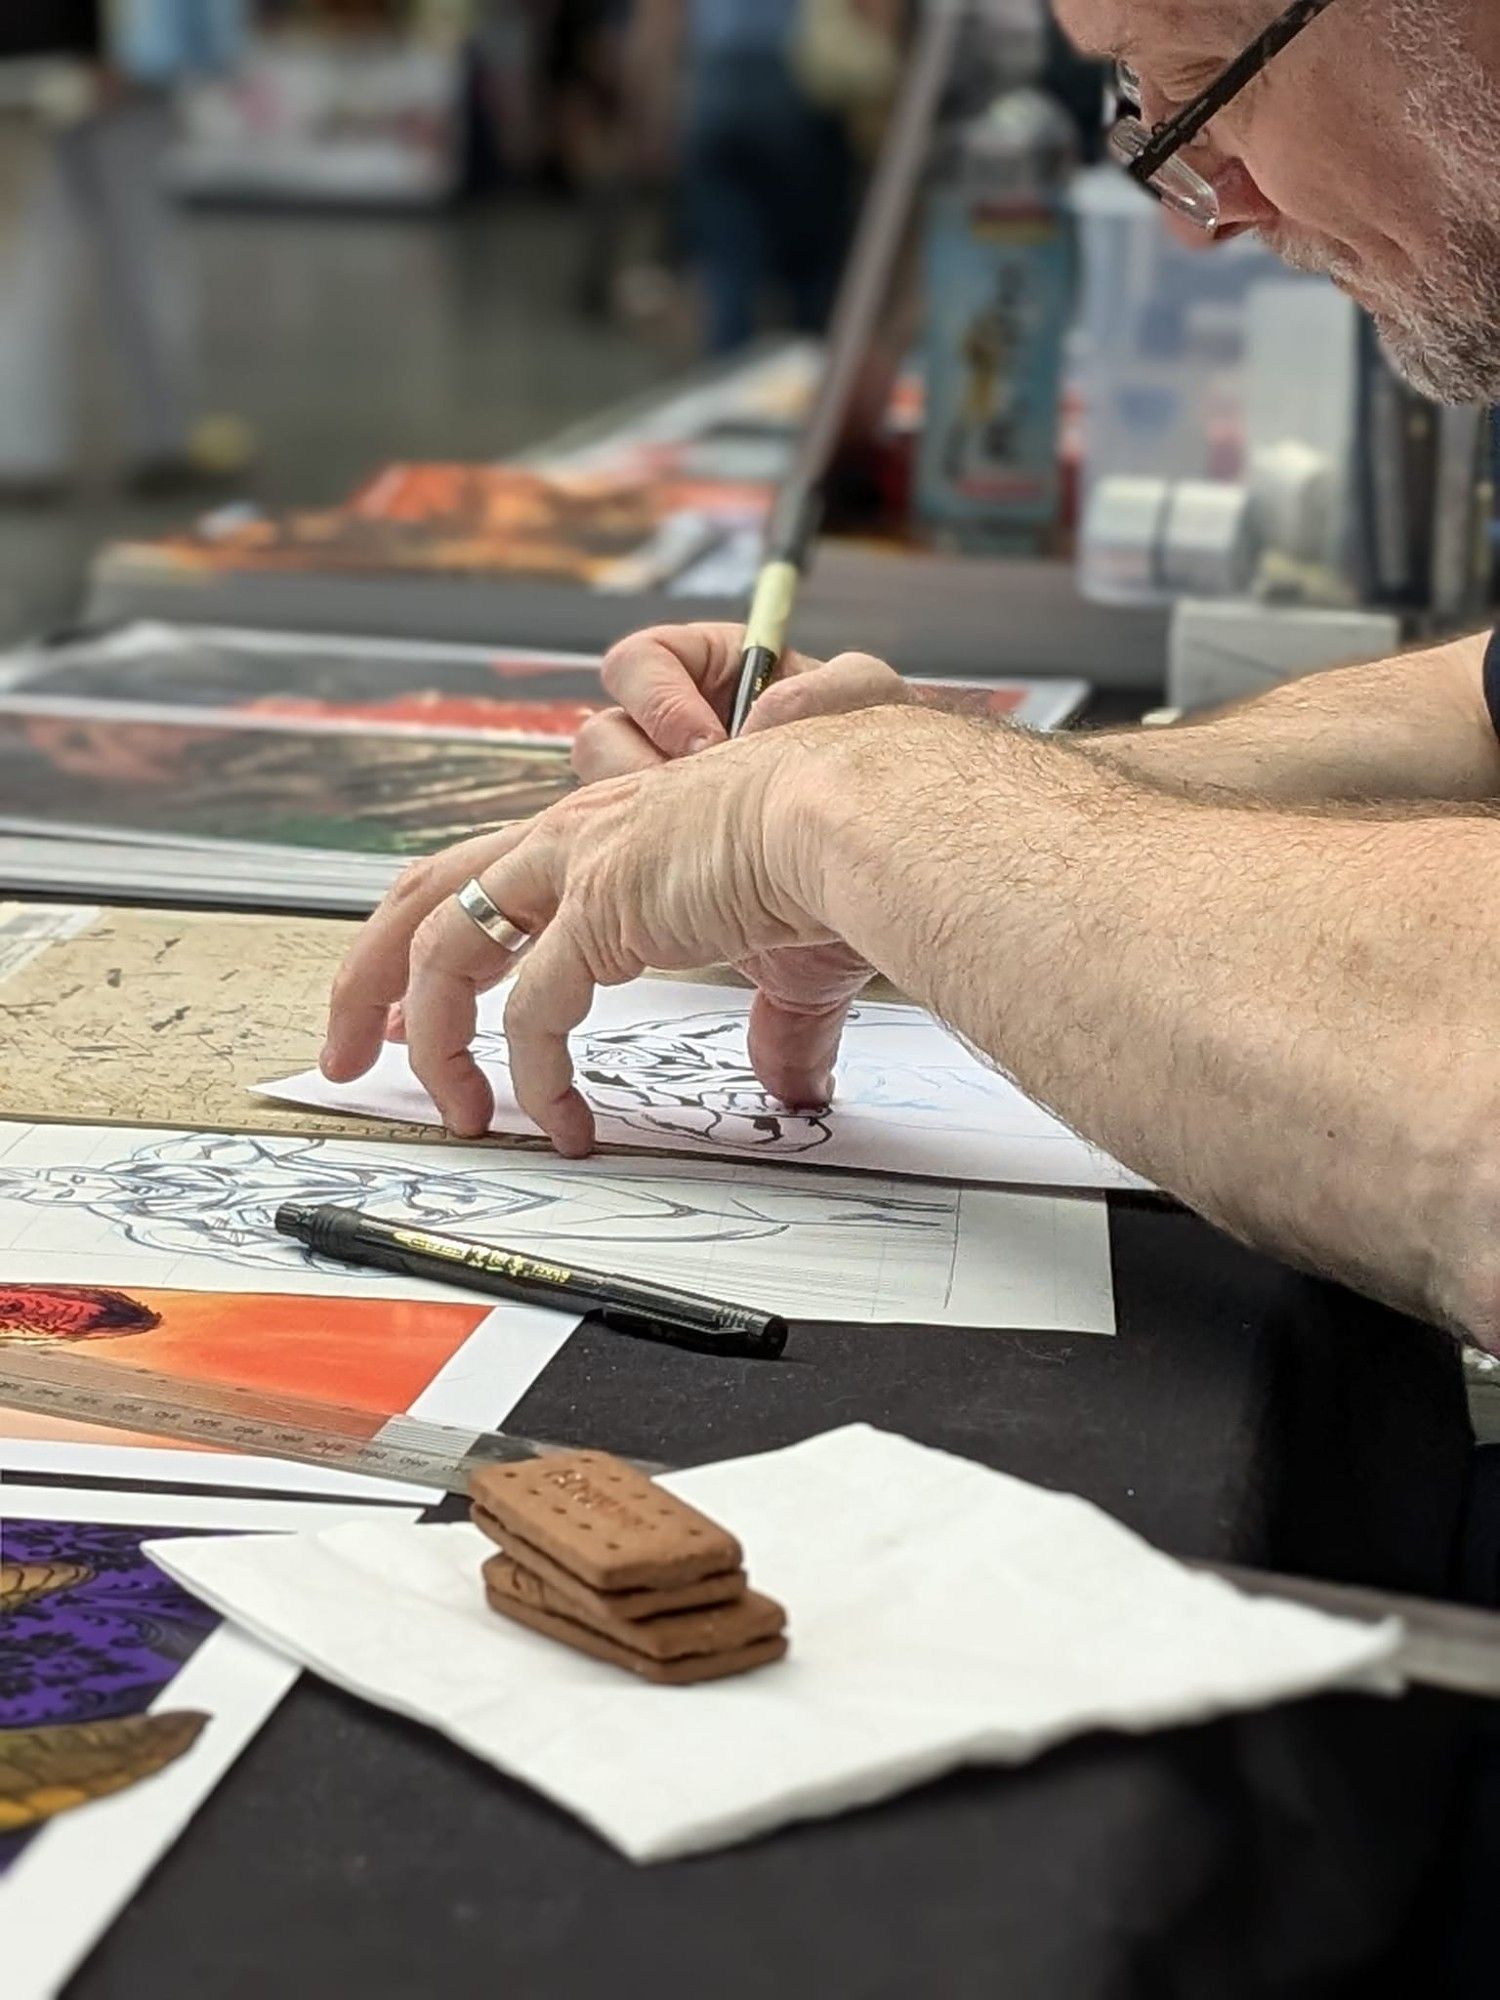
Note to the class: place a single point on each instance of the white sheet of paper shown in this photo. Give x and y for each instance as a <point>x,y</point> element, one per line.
<point>104,1204</point>
<point>78,1871</point>
<point>939,1613</point>
<point>663,1064</point>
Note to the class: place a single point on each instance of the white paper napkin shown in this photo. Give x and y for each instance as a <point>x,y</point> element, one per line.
<point>940,1614</point>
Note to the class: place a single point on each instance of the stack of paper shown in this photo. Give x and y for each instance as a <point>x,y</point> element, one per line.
<point>249,769</point>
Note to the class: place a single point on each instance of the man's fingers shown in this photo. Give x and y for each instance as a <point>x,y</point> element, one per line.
<point>440,1027</point>
<point>552,995</point>
<point>373,976</point>
<point>677,684</point>
<point>667,681</point>
<point>610,746</point>
<point>849,682</point>
<point>452,962</point>
<point>792,1049</point>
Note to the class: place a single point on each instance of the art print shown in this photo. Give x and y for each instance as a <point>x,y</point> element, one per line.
<point>101,1204</point>
<point>384,1356</point>
<point>664,1065</point>
<point>123,1702</point>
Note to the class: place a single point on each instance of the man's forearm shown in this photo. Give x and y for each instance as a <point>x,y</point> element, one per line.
<point>1409,728</point>
<point>1289,1022</point>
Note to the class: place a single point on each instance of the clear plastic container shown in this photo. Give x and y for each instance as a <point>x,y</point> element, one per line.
<point>1159,356</point>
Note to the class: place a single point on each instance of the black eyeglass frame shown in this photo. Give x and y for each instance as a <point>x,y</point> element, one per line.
<point>1168,138</point>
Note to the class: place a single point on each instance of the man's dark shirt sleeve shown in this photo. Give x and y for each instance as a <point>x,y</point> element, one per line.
<point>1492,681</point>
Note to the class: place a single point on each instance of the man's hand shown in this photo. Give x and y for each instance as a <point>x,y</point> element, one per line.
<point>675,686</point>
<point>701,860</point>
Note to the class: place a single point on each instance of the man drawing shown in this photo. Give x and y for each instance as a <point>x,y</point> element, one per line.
<point>1257,959</point>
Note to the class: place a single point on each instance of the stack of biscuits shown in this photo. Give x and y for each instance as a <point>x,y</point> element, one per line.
<point>594,1554</point>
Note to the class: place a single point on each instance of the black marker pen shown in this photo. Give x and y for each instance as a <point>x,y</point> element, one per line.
<point>625,1305</point>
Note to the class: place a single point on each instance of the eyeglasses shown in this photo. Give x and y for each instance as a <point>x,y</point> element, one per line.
<point>1153,155</point>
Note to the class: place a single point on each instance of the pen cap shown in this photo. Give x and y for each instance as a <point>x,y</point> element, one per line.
<point>755,1336</point>
<point>327,1229</point>
<point>762,1334</point>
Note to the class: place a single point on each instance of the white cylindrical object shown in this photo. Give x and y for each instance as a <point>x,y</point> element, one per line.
<point>1291,493</point>
<point>1123,526</point>
<point>1208,540</point>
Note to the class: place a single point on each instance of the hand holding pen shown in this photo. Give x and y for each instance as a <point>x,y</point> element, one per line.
<point>676,688</point>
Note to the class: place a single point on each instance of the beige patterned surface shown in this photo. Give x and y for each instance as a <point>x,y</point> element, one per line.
<point>156,1017</point>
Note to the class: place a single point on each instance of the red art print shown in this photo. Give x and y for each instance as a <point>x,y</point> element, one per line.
<point>34,1315</point>
<point>556,721</point>
<point>367,1354</point>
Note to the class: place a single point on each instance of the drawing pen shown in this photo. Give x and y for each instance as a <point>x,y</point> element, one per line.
<point>625,1305</point>
<point>765,634</point>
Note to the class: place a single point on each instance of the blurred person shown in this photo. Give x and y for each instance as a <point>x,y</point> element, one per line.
<point>101,189</point>
<point>767,174</point>
<point>586,70</point>
<point>503,135</point>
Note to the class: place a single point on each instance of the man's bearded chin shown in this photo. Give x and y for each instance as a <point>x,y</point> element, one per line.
<point>1445,338</point>
<point>1442,332</point>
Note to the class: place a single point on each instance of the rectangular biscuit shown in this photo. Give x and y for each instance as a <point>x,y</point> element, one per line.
<point>613,1604</point>
<point>603,1521</point>
<point>669,1673</point>
<point>722,1628</point>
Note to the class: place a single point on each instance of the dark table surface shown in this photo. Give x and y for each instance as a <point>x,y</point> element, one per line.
<point>1241,1412</point>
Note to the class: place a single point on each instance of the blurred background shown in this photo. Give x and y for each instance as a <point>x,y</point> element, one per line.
<point>254,251</point>
<point>254,244</point>
<point>254,247</point>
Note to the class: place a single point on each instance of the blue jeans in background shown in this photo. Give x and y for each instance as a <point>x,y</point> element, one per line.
<point>768,195</point>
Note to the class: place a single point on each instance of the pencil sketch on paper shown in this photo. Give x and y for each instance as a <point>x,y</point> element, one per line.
<point>198,1193</point>
<point>108,1206</point>
<point>665,1066</point>
<point>690,1076</point>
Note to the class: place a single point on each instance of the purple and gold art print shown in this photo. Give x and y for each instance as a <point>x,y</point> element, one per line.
<point>123,1701</point>
<point>91,1633</point>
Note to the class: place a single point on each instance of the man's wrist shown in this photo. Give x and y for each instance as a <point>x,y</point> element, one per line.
<point>870,798</point>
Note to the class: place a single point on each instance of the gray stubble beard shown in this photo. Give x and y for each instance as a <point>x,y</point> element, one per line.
<point>1442,331</point>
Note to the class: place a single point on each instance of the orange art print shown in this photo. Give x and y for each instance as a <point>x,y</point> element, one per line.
<point>370,1354</point>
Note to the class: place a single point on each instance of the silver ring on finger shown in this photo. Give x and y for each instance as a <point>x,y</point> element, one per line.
<point>480,908</point>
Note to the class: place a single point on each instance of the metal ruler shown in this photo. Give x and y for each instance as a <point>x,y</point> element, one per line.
<point>1443,1645</point>
<point>52,1384</point>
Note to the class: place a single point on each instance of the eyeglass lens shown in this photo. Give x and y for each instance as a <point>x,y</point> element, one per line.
<point>1176,185</point>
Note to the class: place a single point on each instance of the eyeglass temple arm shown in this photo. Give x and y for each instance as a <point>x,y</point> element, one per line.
<point>1174,133</point>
